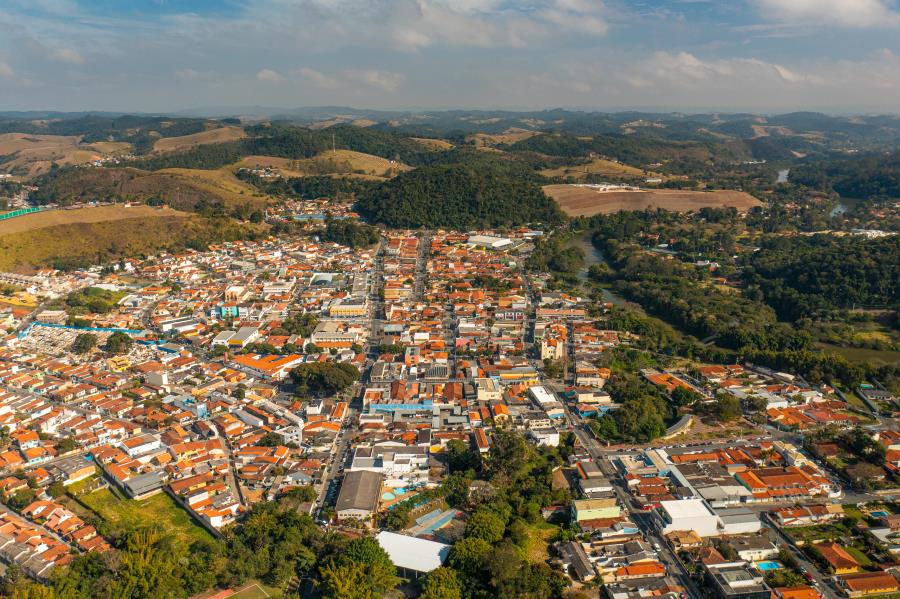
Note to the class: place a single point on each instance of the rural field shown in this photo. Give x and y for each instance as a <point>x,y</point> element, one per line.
<point>185,142</point>
<point>339,162</point>
<point>433,144</point>
<point>598,166</point>
<point>584,201</point>
<point>510,136</point>
<point>98,214</point>
<point>34,155</point>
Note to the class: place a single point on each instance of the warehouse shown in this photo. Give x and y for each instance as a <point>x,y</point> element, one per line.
<point>358,497</point>
<point>688,514</point>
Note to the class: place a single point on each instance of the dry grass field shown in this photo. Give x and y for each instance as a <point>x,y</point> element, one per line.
<point>35,154</point>
<point>98,214</point>
<point>598,166</point>
<point>510,136</point>
<point>584,201</point>
<point>434,144</point>
<point>340,162</point>
<point>219,182</point>
<point>185,142</point>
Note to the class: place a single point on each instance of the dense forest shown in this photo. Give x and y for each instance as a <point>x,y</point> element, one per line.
<point>487,193</point>
<point>309,188</point>
<point>873,176</point>
<point>811,276</point>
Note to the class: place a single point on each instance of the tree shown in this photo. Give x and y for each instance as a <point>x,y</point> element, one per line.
<point>485,524</point>
<point>461,457</point>
<point>381,576</point>
<point>508,452</point>
<point>56,489</point>
<point>119,343</point>
<point>467,555</point>
<point>84,342</point>
<point>684,397</point>
<point>270,440</point>
<point>346,581</point>
<point>442,583</point>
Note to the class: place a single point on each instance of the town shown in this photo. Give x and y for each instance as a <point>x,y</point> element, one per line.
<point>368,383</point>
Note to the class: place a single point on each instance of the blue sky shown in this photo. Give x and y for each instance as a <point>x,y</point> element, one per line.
<point>168,55</point>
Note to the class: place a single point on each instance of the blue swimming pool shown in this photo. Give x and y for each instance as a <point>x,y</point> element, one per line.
<point>880,514</point>
<point>769,566</point>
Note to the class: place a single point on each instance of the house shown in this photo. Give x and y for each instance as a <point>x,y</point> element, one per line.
<point>863,584</point>
<point>840,561</point>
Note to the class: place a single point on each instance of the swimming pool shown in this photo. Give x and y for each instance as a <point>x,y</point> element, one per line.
<point>880,514</point>
<point>769,566</point>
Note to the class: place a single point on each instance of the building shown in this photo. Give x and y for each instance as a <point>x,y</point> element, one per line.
<point>737,581</point>
<point>688,514</point>
<point>576,561</point>
<point>595,509</point>
<point>738,521</point>
<point>412,556</point>
<point>863,584</point>
<point>358,497</point>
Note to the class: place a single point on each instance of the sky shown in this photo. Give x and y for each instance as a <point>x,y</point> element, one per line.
<point>690,55</point>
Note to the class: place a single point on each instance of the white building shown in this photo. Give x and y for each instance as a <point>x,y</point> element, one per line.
<point>688,514</point>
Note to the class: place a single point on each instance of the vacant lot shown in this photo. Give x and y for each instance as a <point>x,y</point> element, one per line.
<point>339,162</point>
<point>584,201</point>
<point>598,166</point>
<point>159,509</point>
<point>33,155</point>
<point>97,214</point>
<point>185,142</point>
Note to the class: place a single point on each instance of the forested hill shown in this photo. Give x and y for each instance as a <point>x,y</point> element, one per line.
<point>464,195</point>
<point>874,176</point>
<point>803,276</point>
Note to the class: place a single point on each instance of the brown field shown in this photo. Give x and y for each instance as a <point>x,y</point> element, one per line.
<point>185,142</point>
<point>340,162</point>
<point>52,218</point>
<point>583,201</point>
<point>510,136</point>
<point>598,166</point>
<point>433,144</point>
<point>36,154</point>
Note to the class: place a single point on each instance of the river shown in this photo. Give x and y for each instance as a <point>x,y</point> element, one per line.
<point>593,255</point>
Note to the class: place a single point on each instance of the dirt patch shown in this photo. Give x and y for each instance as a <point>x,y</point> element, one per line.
<point>33,155</point>
<point>98,214</point>
<point>586,201</point>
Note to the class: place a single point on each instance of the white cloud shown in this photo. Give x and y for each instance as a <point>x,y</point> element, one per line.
<point>6,70</point>
<point>186,74</point>
<point>316,78</point>
<point>270,76</point>
<point>843,13</point>
<point>67,55</point>
<point>384,80</point>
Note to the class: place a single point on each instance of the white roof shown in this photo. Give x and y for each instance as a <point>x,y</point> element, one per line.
<point>541,395</point>
<point>686,508</point>
<point>411,553</point>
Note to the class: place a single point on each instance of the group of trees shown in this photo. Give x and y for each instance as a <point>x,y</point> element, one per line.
<point>642,415</point>
<point>350,233</point>
<point>92,299</point>
<point>324,378</point>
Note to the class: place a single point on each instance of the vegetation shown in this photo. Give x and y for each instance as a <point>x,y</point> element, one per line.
<point>871,176</point>
<point>642,416</point>
<point>84,342</point>
<point>461,196</point>
<point>350,233</point>
<point>118,343</point>
<point>324,378</point>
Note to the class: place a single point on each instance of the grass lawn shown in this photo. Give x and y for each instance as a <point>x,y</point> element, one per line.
<point>159,509</point>
<point>853,512</point>
<point>859,556</point>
